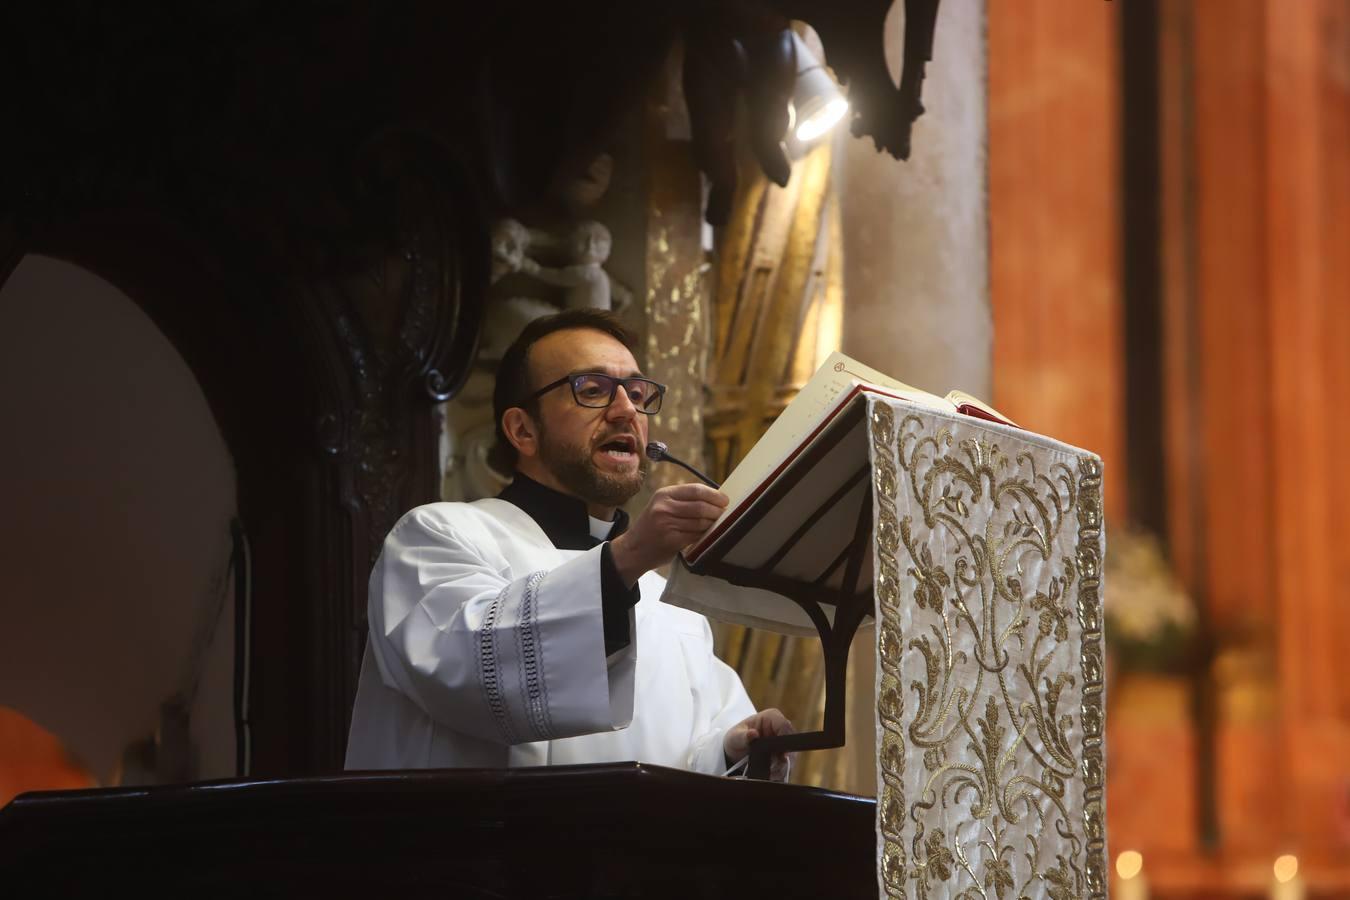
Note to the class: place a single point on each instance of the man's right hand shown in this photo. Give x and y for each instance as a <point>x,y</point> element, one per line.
<point>676,517</point>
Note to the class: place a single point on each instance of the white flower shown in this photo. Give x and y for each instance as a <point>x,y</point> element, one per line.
<point>1143,595</point>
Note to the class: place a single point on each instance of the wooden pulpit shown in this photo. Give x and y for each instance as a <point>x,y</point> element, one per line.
<point>610,830</point>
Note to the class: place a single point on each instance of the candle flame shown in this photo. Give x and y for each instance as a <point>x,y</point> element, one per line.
<point>1286,867</point>
<point>1129,864</point>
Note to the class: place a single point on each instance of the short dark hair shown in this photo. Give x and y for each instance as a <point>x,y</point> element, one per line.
<point>513,373</point>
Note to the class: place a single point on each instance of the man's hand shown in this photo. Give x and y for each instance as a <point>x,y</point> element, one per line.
<point>677,516</point>
<point>766,723</point>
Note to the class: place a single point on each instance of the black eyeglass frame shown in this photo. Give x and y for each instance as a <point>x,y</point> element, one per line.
<point>614,383</point>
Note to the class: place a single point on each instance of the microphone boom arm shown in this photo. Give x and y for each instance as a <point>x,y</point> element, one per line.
<point>658,452</point>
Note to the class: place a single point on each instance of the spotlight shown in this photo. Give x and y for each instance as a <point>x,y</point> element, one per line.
<point>817,102</point>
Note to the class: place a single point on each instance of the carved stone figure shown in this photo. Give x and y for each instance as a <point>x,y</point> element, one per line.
<point>585,190</point>
<point>586,283</point>
<point>510,240</point>
<point>545,260</point>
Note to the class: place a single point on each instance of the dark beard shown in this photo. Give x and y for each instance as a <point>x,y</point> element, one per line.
<point>577,473</point>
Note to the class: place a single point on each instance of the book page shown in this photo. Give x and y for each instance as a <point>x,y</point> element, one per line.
<point>961,399</point>
<point>835,377</point>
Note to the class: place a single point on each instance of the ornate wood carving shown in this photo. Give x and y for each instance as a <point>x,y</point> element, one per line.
<point>390,330</point>
<point>852,35</point>
<point>298,194</point>
<point>741,47</point>
<point>325,289</point>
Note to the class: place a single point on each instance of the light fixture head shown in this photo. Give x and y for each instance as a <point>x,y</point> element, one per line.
<point>817,103</point>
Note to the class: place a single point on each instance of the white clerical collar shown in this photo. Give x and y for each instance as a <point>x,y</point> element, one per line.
<point>600,529</point>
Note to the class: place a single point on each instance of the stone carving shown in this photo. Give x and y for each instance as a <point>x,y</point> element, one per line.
<point>538,271</point>
<point>510,240</point>
<point>580,193</point>
<point>586,284</point>
<point>571,258</point>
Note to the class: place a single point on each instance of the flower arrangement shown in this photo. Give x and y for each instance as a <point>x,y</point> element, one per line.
<point>1150,619</point>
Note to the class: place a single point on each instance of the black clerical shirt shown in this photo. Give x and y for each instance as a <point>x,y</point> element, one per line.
<point>565,520</point>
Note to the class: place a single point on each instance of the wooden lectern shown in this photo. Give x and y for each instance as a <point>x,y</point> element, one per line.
<point>613,830</point>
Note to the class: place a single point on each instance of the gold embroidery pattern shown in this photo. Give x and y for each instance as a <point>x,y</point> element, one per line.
<point>890,697</point>
<point>980,787</point>
<point>1093,710</point>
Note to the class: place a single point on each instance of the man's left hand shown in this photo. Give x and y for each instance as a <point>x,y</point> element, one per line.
<point>766,723</point>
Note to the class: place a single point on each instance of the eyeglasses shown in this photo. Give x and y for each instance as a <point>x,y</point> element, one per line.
<point>596,391</point>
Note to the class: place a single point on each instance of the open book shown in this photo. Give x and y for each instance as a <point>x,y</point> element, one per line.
<point>831,389</point>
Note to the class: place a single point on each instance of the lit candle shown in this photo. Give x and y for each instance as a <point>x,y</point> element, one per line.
<point>1130,881</point>
<point>1287,885</point>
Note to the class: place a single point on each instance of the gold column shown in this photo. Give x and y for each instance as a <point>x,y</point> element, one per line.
<point>778,310</point>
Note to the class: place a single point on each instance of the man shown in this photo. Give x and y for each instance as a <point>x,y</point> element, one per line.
<point>527,630</point>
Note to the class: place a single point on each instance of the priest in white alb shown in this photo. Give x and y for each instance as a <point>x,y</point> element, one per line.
<point>527,630</point>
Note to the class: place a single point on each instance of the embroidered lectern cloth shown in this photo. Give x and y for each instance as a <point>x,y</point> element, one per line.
<point>988,545</point>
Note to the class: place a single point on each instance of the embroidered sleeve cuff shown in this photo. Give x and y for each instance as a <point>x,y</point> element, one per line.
<point>616,599</point>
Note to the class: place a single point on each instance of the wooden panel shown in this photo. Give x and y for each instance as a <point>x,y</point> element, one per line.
<point>1257,193</point>
<point>609,830</point>
<point>1335,235</point>
<point>1229,156</point>
<point>1301,164</point>
<point>1054,212</point>
<point>1182,445</point>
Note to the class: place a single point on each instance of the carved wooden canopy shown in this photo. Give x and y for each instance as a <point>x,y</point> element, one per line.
<point>299,194</point>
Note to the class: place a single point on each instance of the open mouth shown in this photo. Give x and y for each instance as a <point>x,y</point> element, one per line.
<point>621,448</point>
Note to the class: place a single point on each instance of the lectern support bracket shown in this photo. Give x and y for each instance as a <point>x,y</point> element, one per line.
<point>852,603</point>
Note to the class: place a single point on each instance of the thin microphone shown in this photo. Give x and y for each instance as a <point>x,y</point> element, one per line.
<point>659,452</point>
